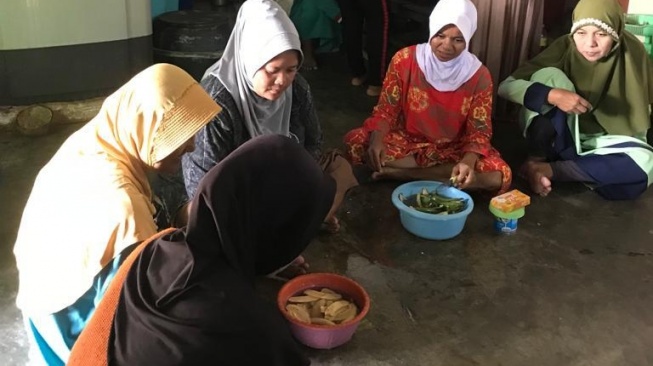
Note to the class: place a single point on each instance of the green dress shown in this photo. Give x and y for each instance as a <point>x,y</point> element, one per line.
<point>317,19</point>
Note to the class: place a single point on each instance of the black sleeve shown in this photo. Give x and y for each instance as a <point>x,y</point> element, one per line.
<point>536,97</point>
<point>216,140</point>
<point>304,122</point>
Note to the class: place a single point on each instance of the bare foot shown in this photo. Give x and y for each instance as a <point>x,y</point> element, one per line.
<point>308,48</point>
<point>539,176</point>
<point>300,264</point>
<point>297,267</point>
<point>309,64</point>
<point>358,81</point>
<point>331,224</point>
<point>373,91</point>
<point>523,171</point>
<point>490,181</point>
<point>439,172</point>
<point>388,173</point>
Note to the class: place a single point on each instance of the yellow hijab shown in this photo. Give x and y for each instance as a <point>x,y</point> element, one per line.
<point>93,198</point>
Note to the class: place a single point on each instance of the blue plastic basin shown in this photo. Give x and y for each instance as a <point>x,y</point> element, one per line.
<point>431,226</point>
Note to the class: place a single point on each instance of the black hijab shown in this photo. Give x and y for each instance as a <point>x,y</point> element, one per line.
<point>189,298</point>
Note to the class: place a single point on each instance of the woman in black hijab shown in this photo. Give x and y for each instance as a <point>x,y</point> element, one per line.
<point>189,297</point>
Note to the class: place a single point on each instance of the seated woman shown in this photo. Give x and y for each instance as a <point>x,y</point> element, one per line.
<point>257,85</point>
<point>433,118</point>
<point>188,297</point>
<point>96,185</point>
<point>318,25</point>
<point>587,100</point>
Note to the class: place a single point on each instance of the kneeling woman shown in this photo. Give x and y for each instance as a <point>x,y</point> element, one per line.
<point>188,296</point>
<point>587,100</point>
<point>433,119</point>
<point>92,201</point>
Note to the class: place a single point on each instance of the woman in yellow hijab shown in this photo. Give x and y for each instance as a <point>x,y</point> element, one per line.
<point>92,202</point>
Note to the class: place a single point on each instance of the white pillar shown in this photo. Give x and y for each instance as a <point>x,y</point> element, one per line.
<point>46,23</point>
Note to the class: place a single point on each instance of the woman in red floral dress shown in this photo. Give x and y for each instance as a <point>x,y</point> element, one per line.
<point>433,118</point>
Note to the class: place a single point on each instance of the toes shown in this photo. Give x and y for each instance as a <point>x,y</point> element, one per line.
<point>298,261</point>
<point>546,185</point>
<point>331,224</point>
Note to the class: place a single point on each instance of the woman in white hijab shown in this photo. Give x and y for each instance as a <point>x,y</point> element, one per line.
<point>433,118</point>
<point>261,93</point>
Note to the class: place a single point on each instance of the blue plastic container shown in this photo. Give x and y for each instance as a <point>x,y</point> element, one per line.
<point>430,226</point>
<point>163,6</point>
<point>506,222</point>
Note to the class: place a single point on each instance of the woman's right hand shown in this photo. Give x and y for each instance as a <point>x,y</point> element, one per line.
<point>376,151</point>
<point>568,102</point>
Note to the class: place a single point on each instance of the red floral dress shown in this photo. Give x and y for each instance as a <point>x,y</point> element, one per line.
<point>435,127</point>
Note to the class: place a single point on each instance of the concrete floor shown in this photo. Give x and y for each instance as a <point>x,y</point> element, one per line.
<point>572,287</point>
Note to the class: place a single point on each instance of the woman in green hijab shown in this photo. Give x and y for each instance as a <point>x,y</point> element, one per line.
<point>587,106</point>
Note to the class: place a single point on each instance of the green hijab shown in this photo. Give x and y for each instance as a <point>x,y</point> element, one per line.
<point>619,87</point>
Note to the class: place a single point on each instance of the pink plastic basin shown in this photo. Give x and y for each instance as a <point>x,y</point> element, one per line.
<point>324,336</point>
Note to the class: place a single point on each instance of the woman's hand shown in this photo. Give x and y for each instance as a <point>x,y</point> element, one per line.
<point>463,172</point>
<point>568,102</point>
<point>376,151</point>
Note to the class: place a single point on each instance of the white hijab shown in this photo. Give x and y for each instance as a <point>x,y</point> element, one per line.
<point>450,75</point>
<point>262,31</point>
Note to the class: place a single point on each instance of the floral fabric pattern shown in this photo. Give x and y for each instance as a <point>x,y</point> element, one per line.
<point>435,127</point>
